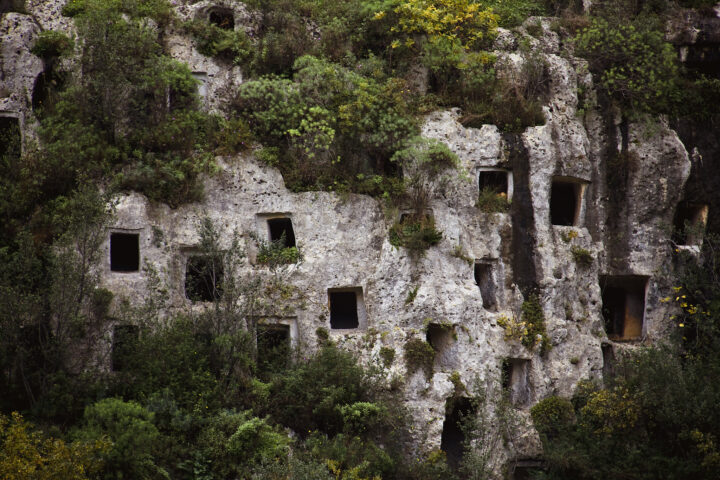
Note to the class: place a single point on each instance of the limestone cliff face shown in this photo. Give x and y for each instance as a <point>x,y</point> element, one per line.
<point>617,213</point>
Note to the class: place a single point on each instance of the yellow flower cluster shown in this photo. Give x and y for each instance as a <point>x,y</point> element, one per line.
<point>456,20</point>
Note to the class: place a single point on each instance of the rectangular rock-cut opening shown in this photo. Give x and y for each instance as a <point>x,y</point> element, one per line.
<point>485,280</point>
<point>515,380</point>
<point>203,278</point>
<point>608,354</point>
<point>124,340</point>
<point>222,18</point>
<point>202,79</point>
<point>689,223</point>
<point>124,252</point>
<point>281,230</point>
<point>10,137</point>
<point>526,469</point>
<point>497,181</point>
<point>273,347</point>
<point>623,305</point>
<point>346,308</point>
<point>440,337</point>
<point>566,201</point>
<point>458,411</point>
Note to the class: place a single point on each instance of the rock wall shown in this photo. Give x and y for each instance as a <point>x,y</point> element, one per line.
<point>622,222</point>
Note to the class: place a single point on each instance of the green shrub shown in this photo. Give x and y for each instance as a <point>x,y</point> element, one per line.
<point>633,63</point>
<point>490,201</point>
<point>415,234</point>
<point>213,41</point>
<point>233,442</point>
<point>552,415</point>
<point>419,355</point>
<point>333,128</point>
<point>582,256</point>
<point>25,453</point>
<point>51,43</point>
<point>388,355</point>
<point>309,395</point>
<point>513,13</point>
<point>534,319</point>
<point>275,253</point>
<point>129,426</point>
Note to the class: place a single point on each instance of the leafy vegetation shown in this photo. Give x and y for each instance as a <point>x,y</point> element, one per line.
<point>419,355</point>
<point>334,94</point>
<point>490,201</point>
<point>582,256</point>
<point>529,329</point>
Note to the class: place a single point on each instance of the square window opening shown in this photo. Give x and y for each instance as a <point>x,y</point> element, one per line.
<point>452,441</point>
<point>689,223</point>
<point>281,230</point>
<point>495,180</point>
<point>515,380</point>
<point>565,202</point>
<point>485,280</point>
<point>623,306</point>
<point>124,252</point>
<point>124,341</point>
<point>526,469</point>
<point>203,278</point>
<point>345,308</point>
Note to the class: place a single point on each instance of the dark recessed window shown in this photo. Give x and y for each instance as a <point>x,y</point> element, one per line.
<point>124,252</point>
<point>515,380</point>
<point>343,309</point>
<point>623,305</point>
<point>689,223</point>
<point>565,202</point>
<point>222,18</point>
<point>495,180</point>
<point>452,441</point>
<point>203,278</point>
<point>281,229</point>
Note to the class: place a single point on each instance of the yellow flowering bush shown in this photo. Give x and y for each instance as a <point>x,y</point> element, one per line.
<point>611,411</point>
<point>459,21</point>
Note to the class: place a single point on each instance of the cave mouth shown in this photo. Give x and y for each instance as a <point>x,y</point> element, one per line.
<point>565,199</point>
<point>124,252</point>
<point>203,278</point>
<point>281,230</point>
<point>459,412</point>
<point>343,309</point>
<point>623,305</point>
<point>485,280</point>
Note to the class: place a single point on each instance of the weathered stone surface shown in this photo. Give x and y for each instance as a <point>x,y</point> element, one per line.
<point>345,243</point>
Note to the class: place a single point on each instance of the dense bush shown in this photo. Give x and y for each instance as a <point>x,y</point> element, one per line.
<point>634,64</point>
<point>330,123</point>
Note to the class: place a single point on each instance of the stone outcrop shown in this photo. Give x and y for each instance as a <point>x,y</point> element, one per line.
<point>627,178</point>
